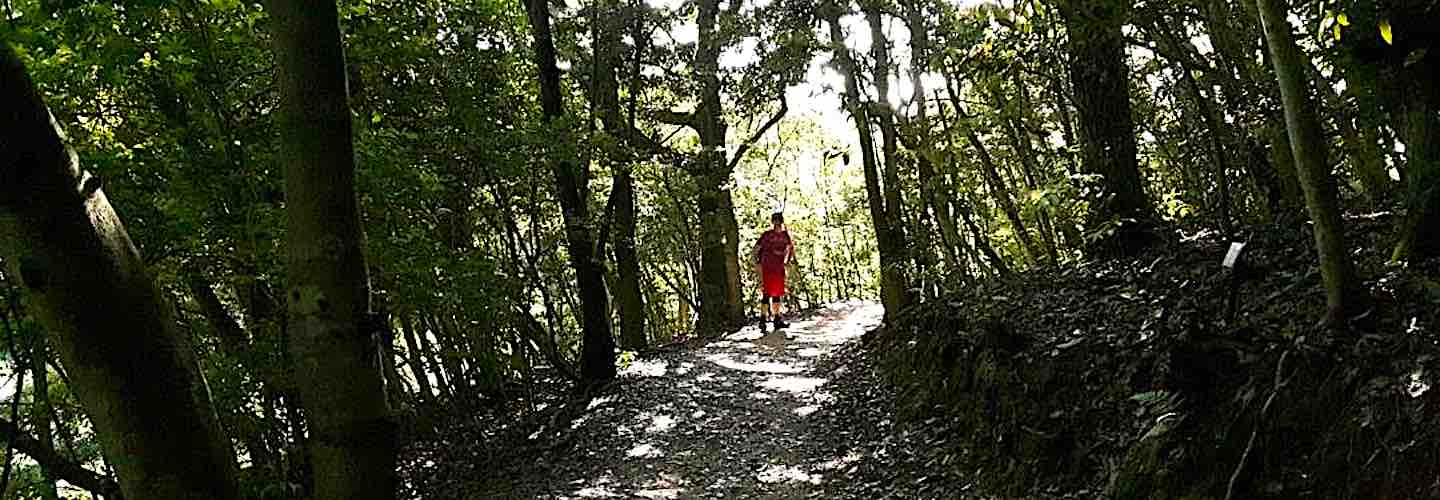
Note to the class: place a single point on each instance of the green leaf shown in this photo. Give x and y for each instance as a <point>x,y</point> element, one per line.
<point>1150,397</point>
<point>1343,19</point>
<point>1386,33</point>
<point>1337,32</point>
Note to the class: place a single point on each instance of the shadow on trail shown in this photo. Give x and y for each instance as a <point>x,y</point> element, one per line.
<point>731,419</point>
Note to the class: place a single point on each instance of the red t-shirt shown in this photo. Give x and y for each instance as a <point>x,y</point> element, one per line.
<point>773,248</point>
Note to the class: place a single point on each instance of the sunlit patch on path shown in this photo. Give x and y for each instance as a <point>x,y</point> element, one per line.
<point>730,419</point>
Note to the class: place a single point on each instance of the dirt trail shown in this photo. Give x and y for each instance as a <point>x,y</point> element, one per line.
<point>737,418</point>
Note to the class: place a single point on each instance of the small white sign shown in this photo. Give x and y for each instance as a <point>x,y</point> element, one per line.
<point>1234,254</point>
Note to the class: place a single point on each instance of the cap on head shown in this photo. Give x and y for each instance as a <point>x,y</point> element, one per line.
<point>777,218</point>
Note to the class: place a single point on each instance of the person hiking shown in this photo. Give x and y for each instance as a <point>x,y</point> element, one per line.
<point>773,252</point>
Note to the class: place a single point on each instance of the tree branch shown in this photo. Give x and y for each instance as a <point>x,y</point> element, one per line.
<point>63,468</point>
<point>603,238</point>
<point>535,332</point>
<point>745,147</point>
<point>670,117</point>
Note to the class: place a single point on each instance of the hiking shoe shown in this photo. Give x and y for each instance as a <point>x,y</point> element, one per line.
<point>764,325</point>
<point>780,323</point>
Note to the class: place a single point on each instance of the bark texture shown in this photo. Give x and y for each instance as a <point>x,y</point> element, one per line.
<point>1101,83</point>
<point>129,365</point>
<point>334,339</point>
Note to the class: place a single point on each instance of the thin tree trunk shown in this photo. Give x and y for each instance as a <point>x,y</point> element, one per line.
<point>129,364</point>
<point>981,240</point>
<point>925,166</point>
<point>991,173</point>
<point>437,359</point>
<point>40,412</point>
<point>416,359</point>
<point>1018,130</point>
<point>894,293</point>
<point>1067,125</point>
<point>231,334</point>
<point>885,117</point>
<point>949,232</point>
<point>1308,147</point>
<point>1420,237</point>
<point>395,386</point>
<point>597,363</point>
<point>1001,193</point>
<point>334,336</point>
<point>1218,155</point>
<point>1362,150</point>
<point>1420,125</point>
<point>449,357</point>
<point>628,297</point>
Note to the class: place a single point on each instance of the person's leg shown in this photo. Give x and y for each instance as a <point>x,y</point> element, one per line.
<point>775,313</point>
<point>764,311</point>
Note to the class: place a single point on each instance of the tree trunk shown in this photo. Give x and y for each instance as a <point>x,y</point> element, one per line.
<point>334,335</point>
<point>981,240</point>
<point>712,278</point>
<point>1282,159</point>
<point>628,296</point>
<point>1218,155</point>
<point>1420,232</point>
<point>597,363</point>
<point>924,165</point>
<point>1001,193</point>
<point>1307,145</point>
<point>894,288</point>
<point>232,336</point>
<point>734,292</point>
<point>885,117</point>
<point>1362,150</point>
<point>443,372</point>
<point>719,290</point>
<point>1100,79</point>
<point>416,359</point>
<point>1239,71</point>
<point>40,413</point>
<point>129,364</point>
<point>448,356</point>
<point>1020,134</point>
<point>396,389</point>
<point>932,180</point>
<point>1067,124</point>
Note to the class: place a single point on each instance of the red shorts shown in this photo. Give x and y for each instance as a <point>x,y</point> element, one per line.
<point>772,280</point>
